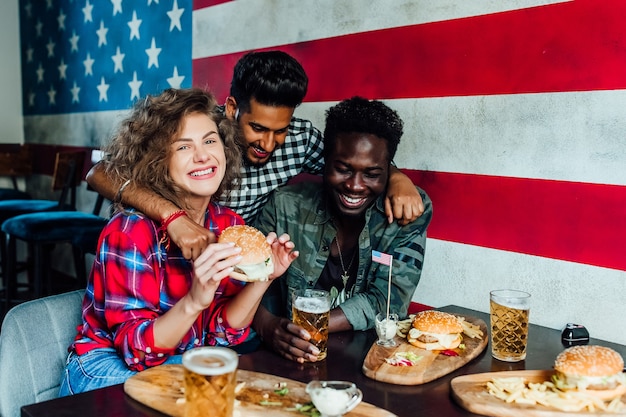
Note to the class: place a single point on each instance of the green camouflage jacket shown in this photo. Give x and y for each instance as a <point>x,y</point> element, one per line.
<point>300,210</point>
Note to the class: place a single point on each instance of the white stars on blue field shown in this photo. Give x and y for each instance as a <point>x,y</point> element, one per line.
<point>88,55</point>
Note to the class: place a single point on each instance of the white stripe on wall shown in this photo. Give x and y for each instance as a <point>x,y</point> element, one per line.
<point>251,24</point>
<point>565,292</point>
<point>560,136</point>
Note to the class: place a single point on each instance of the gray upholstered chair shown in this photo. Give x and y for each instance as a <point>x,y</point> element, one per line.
<point>33,347</point>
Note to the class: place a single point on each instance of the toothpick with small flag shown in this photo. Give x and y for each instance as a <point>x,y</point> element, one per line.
<point>385,259</point>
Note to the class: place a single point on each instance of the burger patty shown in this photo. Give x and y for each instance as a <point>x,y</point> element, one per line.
<point>427,338</point>
<point>596,383</point>
<point>606,385</point>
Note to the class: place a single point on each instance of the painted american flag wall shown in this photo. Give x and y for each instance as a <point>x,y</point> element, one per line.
<point>515,126</point>
<point>515,122</point>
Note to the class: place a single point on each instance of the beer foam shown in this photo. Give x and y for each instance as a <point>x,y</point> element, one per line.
<point>518,300</point>
<point>311,305</point>
<point>514,304</point>
<point>210,360</point>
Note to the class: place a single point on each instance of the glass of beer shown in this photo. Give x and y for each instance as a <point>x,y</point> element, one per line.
<point>311,311</point>
<point>210,380</point>
<point>509,324</point>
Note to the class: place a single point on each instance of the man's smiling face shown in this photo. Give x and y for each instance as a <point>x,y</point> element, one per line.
<point>356,172</point>
<point>264,128</point>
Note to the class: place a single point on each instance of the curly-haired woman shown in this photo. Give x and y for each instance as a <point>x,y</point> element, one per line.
<point>145,303</point>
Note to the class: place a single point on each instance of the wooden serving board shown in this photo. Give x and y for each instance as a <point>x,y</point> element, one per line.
<point>433,365</point>
<point>470,392</point>
<point>161,388</point>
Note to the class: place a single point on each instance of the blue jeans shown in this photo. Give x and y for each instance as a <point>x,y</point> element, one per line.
<point>97,368</point>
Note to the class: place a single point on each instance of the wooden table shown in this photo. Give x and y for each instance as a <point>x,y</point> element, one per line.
<point>346,352</point>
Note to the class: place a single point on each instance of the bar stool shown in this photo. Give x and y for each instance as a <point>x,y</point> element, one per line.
<point>67,175</point>
<point>42,232</point>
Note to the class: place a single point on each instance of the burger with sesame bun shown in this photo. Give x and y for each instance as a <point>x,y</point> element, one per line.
<point>435,330</point>
<point>592,370</point>
<point>256,263</point>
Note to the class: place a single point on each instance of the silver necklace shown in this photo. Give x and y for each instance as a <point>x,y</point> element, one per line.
<point>346,271</point>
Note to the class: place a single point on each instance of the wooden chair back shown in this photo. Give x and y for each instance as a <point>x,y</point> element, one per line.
<point>68,174</point>
<point>16,160</point>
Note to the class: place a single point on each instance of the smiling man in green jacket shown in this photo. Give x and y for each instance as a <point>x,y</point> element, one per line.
<point>337,224</point>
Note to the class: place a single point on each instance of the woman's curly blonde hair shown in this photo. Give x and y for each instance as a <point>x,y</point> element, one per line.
<point>140,149</point>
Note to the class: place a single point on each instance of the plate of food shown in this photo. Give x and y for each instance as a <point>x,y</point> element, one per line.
<point>256,394</point>
<point>429,345</point>
<point>587,380</point>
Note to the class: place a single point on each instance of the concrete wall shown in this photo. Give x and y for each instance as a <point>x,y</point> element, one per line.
<point>11,125</point>
<point>11,121</point>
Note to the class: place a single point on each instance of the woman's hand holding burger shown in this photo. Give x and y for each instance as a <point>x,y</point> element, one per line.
<point>214,264</point>
<point>243,253</point>
<point>262,258</point>
<point>283,253</point>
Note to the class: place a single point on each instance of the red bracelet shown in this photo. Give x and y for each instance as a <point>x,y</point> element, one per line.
<point>169,219</point>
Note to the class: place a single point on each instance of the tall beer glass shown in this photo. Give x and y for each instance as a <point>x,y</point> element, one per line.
<point>311,310</point>
<point>210,380</point>
<point>509,324</point>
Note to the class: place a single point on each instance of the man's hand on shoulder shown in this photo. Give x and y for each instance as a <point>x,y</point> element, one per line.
<point>403,202</point>
<point>190,237</point>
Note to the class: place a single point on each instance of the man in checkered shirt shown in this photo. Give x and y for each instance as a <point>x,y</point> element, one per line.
<point>265,90</point>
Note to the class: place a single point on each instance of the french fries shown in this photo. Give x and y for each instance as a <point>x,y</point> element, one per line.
<point>517,390</point>
<point>470,330</point>
<point>405,325</point>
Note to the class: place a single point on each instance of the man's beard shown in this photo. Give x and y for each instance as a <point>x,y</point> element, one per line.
<point>248,162</point>
<point>244,148</point>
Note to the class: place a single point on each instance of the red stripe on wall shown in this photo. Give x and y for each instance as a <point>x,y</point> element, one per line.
<point>200,4</point>
<point>574,46</point>
<point>571,221</point>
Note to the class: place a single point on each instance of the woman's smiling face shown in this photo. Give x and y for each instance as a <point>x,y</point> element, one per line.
<point>198,163</point>
<point>356,172</point>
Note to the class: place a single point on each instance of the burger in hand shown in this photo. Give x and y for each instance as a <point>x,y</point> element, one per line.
<point>435,330</point>
<point>592,370</point>
<point>256,263</point>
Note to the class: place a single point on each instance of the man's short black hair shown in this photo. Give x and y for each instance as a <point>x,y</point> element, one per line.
<point>360,115</point>
<point>272,78</point>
